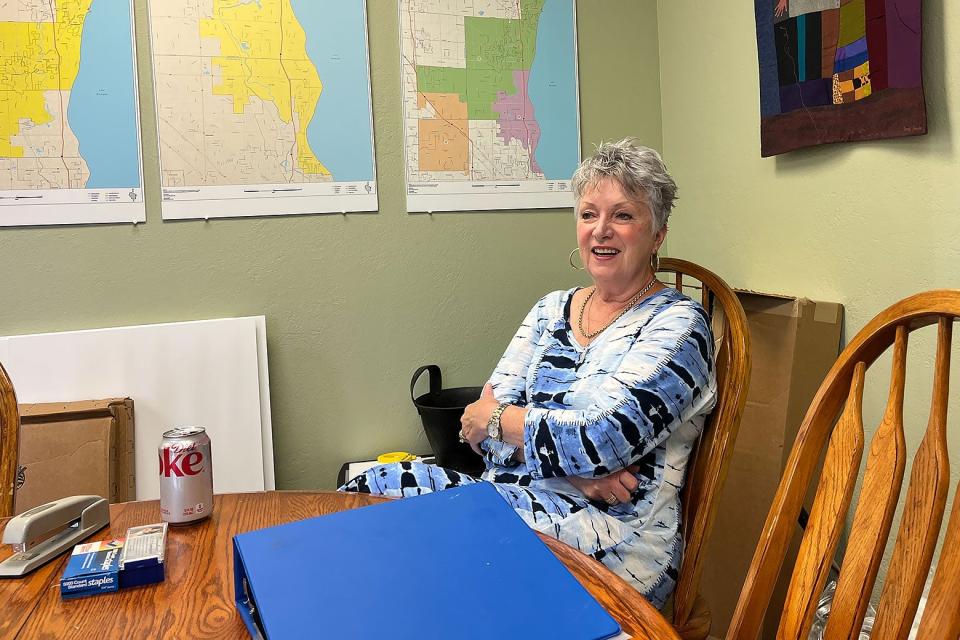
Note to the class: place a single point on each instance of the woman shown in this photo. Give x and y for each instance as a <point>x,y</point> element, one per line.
<point>589,418</point>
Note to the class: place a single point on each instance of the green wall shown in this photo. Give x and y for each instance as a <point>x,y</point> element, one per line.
<point>864,224</point>
<point>353,303</point>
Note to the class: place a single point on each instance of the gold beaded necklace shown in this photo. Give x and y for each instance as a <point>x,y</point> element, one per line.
<point>629,304</point>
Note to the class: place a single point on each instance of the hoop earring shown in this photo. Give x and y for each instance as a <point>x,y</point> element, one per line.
<point>655,262</point>
<point>570,260</point>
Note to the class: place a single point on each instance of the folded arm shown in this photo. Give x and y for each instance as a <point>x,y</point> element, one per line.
<point>661,382</point>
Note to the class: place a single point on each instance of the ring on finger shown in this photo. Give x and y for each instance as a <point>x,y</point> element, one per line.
<point>612,499</point>
<point>461,437</point>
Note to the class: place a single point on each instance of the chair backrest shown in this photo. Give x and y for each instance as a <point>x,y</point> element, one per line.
<point>707,470</point>
<point>9,434</point>
<point>841,394</point>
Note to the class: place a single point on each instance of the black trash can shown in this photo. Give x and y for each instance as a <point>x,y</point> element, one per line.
<point>440,412</point>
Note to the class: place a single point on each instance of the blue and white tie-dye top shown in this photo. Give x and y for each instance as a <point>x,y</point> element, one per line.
<point>637,394</point>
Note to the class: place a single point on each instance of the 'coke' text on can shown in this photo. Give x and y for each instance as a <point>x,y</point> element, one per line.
<point>186,475</point>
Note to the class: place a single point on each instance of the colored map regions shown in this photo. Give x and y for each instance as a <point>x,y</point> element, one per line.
<point>452,153</point>
<point>473,113</point>
<point>514,121</point>
<point>495,49</point>
<point>39,60</point>
<point>236,92</point>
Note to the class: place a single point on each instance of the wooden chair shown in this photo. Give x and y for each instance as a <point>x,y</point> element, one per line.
<point>707,470</point>
<point>841,394</point>
<point>9,434</point>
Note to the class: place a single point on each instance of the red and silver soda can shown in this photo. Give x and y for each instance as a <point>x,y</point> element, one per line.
<point>186,475</point>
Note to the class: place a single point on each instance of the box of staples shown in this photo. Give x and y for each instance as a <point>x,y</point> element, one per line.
<point>93,568</point>
<point>142,559</point>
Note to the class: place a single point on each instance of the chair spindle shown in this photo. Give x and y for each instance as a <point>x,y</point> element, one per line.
<point>923,509</point>
<point>875,508</point>
<point>941,617</point>
<point>827,515</point>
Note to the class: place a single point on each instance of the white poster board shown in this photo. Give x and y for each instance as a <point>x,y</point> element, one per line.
<point>210,373</point>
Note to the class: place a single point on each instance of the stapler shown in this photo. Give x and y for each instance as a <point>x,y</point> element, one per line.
<point>42,533</point>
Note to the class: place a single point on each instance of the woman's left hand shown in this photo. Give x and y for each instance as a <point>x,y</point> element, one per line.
<point>475,418</point>
<point>616,488</point>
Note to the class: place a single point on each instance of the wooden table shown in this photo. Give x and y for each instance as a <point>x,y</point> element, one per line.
<point>197,601</point>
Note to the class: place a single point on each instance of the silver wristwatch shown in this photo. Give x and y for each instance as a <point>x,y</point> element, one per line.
<point>494,430</point>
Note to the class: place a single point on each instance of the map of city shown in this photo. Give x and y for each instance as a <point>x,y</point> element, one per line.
<point>68,113</point>
<point>259,100</point>
<point>490,102</point>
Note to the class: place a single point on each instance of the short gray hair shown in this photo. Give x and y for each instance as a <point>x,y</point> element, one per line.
<point>638,170</point>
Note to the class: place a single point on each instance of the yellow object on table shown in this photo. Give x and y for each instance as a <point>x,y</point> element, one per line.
<point>395,456</point>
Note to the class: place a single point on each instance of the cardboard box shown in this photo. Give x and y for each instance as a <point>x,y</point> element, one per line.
<point>794,342</point>
<point>75,448</point>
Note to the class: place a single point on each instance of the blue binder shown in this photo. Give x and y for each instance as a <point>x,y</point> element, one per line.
<point>452,564</point>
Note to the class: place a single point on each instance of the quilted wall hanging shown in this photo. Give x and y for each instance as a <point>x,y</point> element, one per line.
<point>838,71</point>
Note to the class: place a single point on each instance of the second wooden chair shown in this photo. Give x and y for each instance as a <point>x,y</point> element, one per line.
<point>843,438</point>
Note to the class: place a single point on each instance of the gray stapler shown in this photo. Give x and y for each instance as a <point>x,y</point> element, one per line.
<point>42,533</point>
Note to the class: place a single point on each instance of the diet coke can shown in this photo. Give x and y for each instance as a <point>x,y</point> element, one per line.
<point>186,475</point>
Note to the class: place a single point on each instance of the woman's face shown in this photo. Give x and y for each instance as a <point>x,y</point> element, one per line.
<point>615,236</point>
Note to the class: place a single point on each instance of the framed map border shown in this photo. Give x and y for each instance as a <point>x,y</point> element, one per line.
<point>51,207</point>
<point>188,202</point>
<point>428,196</point>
